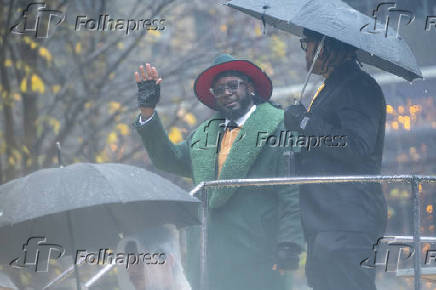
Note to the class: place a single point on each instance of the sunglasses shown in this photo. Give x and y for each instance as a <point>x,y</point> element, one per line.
<point>232,86</point>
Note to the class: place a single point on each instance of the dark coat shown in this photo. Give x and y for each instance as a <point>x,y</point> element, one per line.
<point>351,105</point>
<point>245,223</point>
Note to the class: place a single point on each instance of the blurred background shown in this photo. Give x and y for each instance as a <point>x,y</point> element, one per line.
<point>77,87</point>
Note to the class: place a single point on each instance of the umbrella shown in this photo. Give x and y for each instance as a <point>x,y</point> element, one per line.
<point>6,283</point>
<point>87,206</point>
<point>337,19</point>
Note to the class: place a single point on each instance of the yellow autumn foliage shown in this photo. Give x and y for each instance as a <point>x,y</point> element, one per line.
<point>55,124</point>
<point>101,157</point>
<point>112,138</point>
<point>26,150</point>
<point>123,129</point>
<point>37,84</point>
<point>8,62</point>
<point>175,135</point>
<point>389,109</point>
<point>16,154</point>
<point>27,39</point>
<point>278,47</point>
<point>257,30</point>
<point>45,53</point>
<point>23,85</point>
<point>114,106</point>
<point>154,33</point>
<point>78,48</point>
<point>190,119</point>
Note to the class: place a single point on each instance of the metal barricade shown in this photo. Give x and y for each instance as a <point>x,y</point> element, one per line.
<point>414,180</point>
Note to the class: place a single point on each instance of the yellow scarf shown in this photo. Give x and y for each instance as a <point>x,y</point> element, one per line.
<point>316,95</point>
<point>226,144</point>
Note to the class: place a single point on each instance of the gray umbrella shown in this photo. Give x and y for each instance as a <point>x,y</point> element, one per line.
<point>6,283</point>
<point>336,19</point>
<point>88,206</point>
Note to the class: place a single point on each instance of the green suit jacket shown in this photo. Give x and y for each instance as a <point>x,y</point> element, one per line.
<point>245,224</point>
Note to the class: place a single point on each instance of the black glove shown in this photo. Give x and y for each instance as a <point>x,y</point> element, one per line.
<point>294,114</point>
<point>148,93</point>
<point>288,256</point>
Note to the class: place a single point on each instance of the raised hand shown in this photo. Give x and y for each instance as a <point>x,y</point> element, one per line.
<point>148,89</point>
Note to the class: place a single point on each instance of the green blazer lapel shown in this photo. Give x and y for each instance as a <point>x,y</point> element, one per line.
<point>245,149</point>
<point>204,149</point>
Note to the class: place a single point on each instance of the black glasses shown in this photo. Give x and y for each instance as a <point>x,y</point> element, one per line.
<point>232,86</point>
<point>303,43</point>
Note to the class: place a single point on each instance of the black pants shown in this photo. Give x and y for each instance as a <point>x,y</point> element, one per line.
<point>334,258</point>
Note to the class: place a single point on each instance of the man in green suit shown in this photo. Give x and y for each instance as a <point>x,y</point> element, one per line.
<point>252,231</point>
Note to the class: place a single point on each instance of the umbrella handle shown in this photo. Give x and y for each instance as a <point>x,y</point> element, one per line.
<point>265,7</point>
<point>309,72</point>
<point>58,146</point>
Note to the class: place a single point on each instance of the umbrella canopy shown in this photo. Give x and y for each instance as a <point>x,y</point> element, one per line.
<point>95,204</point>
<point>336,19</point>
<point>6,283</point>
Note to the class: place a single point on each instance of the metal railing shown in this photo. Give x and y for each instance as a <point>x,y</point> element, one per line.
<point>414,180</point>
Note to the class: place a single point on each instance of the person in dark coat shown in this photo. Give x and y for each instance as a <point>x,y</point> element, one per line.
<point>250,229</point>
<point>346,120</point>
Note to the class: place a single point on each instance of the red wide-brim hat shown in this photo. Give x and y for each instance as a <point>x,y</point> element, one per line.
<point>225,62</point>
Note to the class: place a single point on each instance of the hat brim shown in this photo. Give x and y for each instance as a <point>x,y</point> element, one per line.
<point>262,83</point>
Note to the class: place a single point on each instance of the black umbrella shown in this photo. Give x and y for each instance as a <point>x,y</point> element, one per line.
<point>337,19</point>
<point>87,206</point>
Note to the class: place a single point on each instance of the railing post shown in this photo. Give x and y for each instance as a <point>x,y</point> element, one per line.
<point>203,246</point>
<point>416,232</point>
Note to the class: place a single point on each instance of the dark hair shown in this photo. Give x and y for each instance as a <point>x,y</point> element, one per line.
<point>332,45</point>
<point>234,73</point>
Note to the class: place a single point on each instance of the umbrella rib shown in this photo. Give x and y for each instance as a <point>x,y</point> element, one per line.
<point>112,216</point>
<point>107,180</point>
